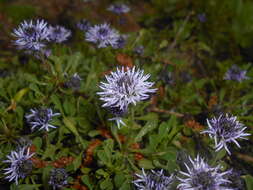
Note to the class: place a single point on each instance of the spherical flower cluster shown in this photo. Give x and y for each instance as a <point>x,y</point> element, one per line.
<point>40,118</point>
<point>102,35</point>
<point>32,35</point>
<point>74,82</point>
<point>83,25</point>
<point>21,165</point>
<point>236,74</point>
<point>121,42</point>
<point>154,180</point>
<point>139,50</point>
<point>59,34</point>
<point>224,130</point>
<point>125,87</point>
<point>118,8</point>
<point>201,176</point>
<point>202,17</point>
<point>58,178</point>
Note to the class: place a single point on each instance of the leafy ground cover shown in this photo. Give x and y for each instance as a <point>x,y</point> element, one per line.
<point>195,126</point>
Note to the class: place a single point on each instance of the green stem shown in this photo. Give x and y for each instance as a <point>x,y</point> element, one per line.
<point>114,130</point>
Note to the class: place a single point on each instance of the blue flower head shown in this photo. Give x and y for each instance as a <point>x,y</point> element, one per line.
<point>121,42</point>
<point>74,82</point>
<point>202,17</point>
<point>20,164</point>
<point>40,118</point>
<point>32,35</point>
<point>102,35</point>
<point>139,50</point>
<point>201,176</point>
<point>236,74</point>
<point>224,130</point>
<point>59,34</point>
<point>118,8</point>
<point>58,178</point>
<point>83,25</point>
<point>153,180</point>
<point>125,87</point>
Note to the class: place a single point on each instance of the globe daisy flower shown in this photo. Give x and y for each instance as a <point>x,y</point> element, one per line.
<point>121,42</point>
<point>224,130</point>
<point>74,82</point>
<point>153,180</point>
<point>236,74</point>
<point>32,35</point>
<point>118,8</point>
<point>58,178</point>
<point>201,176</point>
<point>40,118</point>
<point>102,35</point>
<point>125,87</point>
<point>59,34</point>
<point>139,50</point>
<point>202,17</point>
<point>237,182</point>
<point>83,25</point>
<point>20,164</point>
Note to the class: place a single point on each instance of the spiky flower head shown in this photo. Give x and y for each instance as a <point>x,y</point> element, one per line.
<point>20,164</point>
<point>201,176</point>
<point>139,49</point>
<point>83,25</point>
<point>31,35</point>
<point>236,74</point>
<point>121,42</point>
<point>74,82</point>
<point>102,35</point>
<point>58,178</point>
<point>40,118</point>
<point>225,129</point>
<point>202,17</point>
<point>237,182</point>
<point>125,87</point>
<point>59,34</point>
<point>118,8</point>
<point>153,180</point>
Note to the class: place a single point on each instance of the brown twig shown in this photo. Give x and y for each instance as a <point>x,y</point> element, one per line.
<point>244,157</point>
<point>158,110</point>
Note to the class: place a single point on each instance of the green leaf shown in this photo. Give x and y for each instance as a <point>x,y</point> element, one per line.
<point>86,180</point>
<point>49,152</point>
<point>37,142</point>
<point>55,99</point>
<point>20,94</point>
<point>106,184</point>
<point>150,125</point>
<point>46,176</point>
<point>69,123</point>
<point>103,173</point>
<point>146,164</point>
<point>78,161</point>
<point>35,88</point>
<point>119,179</point>
<point>28,187</point>
<point>249,181</point>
